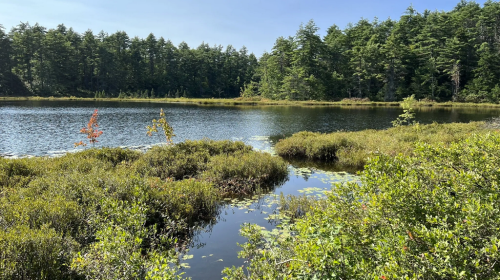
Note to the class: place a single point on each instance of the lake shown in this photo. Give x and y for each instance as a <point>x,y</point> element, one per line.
<point>39,128</point>
<point>48,127</point>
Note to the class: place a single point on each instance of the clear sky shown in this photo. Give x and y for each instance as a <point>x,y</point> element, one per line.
<point>252,23</point>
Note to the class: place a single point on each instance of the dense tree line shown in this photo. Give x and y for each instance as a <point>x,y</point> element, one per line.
<point>62,62</point>
<point>437,55</point>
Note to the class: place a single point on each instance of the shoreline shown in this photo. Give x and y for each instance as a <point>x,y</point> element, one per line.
<point>246,102</point>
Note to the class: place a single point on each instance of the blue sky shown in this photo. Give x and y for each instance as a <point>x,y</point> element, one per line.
<point>255,24</point>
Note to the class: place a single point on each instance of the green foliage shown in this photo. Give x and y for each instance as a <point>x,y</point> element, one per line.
<point>232,166</point>
<point>100,94</point>
<point>432,215</point>
<point>243,171</point>
<point>444,56</point>
<point>162,123</point>
<point>112,213</point>
<point>18,172</point>
<point>408,116</point>
<point>39,253</point>
<point>61,62</point>
<point>352,149</point>
<point>249,90</point>
<point>118,252</point>
<point>114,156</point>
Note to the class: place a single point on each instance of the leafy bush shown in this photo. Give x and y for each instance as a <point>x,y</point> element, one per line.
<point>166,162</point>
<point>191,158</point>
<point>111,213</point>
<point>187,200</point>
<point>352,149</point>
<point>119,252</point>
<point>242,172</point>
<point>18,172</point>
<point>433,215</point>
<point>408,117</point>
<point>30,253</point>
<point>113,155</point>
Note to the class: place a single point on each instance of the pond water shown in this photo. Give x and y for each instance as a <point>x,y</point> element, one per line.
<point>48,127</point>
<point>39,128</point>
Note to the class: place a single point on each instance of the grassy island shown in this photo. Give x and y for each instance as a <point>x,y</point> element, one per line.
<point>352,149</point>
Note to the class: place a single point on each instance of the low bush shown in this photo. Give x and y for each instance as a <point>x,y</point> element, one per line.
<point>243,172</point>
<point>188,200</point>
<point>432,215</point>
<point>352,149</point>
<point>29,253</point>
<point>18,172</point>
<point>184,160</point>
<point>113,213</point>
<point>231,166</point>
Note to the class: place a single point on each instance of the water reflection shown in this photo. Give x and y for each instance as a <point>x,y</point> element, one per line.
<point>37,127</point>
<point>218,244</point>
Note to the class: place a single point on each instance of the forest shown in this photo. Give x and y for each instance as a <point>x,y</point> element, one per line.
<point>435,55</point>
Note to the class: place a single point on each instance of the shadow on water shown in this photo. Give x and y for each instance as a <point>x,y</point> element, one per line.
<point>215,247</point>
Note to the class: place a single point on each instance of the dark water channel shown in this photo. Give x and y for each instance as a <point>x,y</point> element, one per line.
<point>39,128</point>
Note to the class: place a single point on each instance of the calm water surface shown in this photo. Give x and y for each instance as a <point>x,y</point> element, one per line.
<point>51,127</point>
<point>45,127</point>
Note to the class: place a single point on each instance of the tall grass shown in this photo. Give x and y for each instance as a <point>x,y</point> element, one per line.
<point>263,102</point>
<point>352,149</point>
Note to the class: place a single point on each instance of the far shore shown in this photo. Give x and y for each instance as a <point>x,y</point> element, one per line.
<point>258,102</point>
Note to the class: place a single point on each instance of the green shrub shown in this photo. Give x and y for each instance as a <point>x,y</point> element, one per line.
<point>188,200</point>
<point>119,251</point>
<point>186,160</point>
<point>433,215</point>
<point>243,172</point>
<point>55,211</point>
<point>166,162</point>
<point>113,155</point>
<point>18,172</point>
<point>35,253</point>
<point>352,149</point>
<point>212,147</point>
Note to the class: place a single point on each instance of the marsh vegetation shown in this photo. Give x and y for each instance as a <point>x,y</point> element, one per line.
<point>113,213</point>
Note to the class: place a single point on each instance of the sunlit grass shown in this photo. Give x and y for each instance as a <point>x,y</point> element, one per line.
<point>259,101</point>
<point>352,149</point>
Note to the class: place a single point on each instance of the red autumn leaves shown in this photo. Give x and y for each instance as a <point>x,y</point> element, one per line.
<point>91,130</point>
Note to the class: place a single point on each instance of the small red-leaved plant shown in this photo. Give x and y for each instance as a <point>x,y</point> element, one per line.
<point>91,130</point>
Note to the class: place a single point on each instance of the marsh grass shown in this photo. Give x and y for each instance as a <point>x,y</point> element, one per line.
<point>240,101</point>
<point>113,213</point>
<point>352,149</point>
<point>244,172</point>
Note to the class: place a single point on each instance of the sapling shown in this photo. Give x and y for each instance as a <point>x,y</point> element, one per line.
<point>408,116</point>
<point>91,130</point>
<point>162,123</point>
